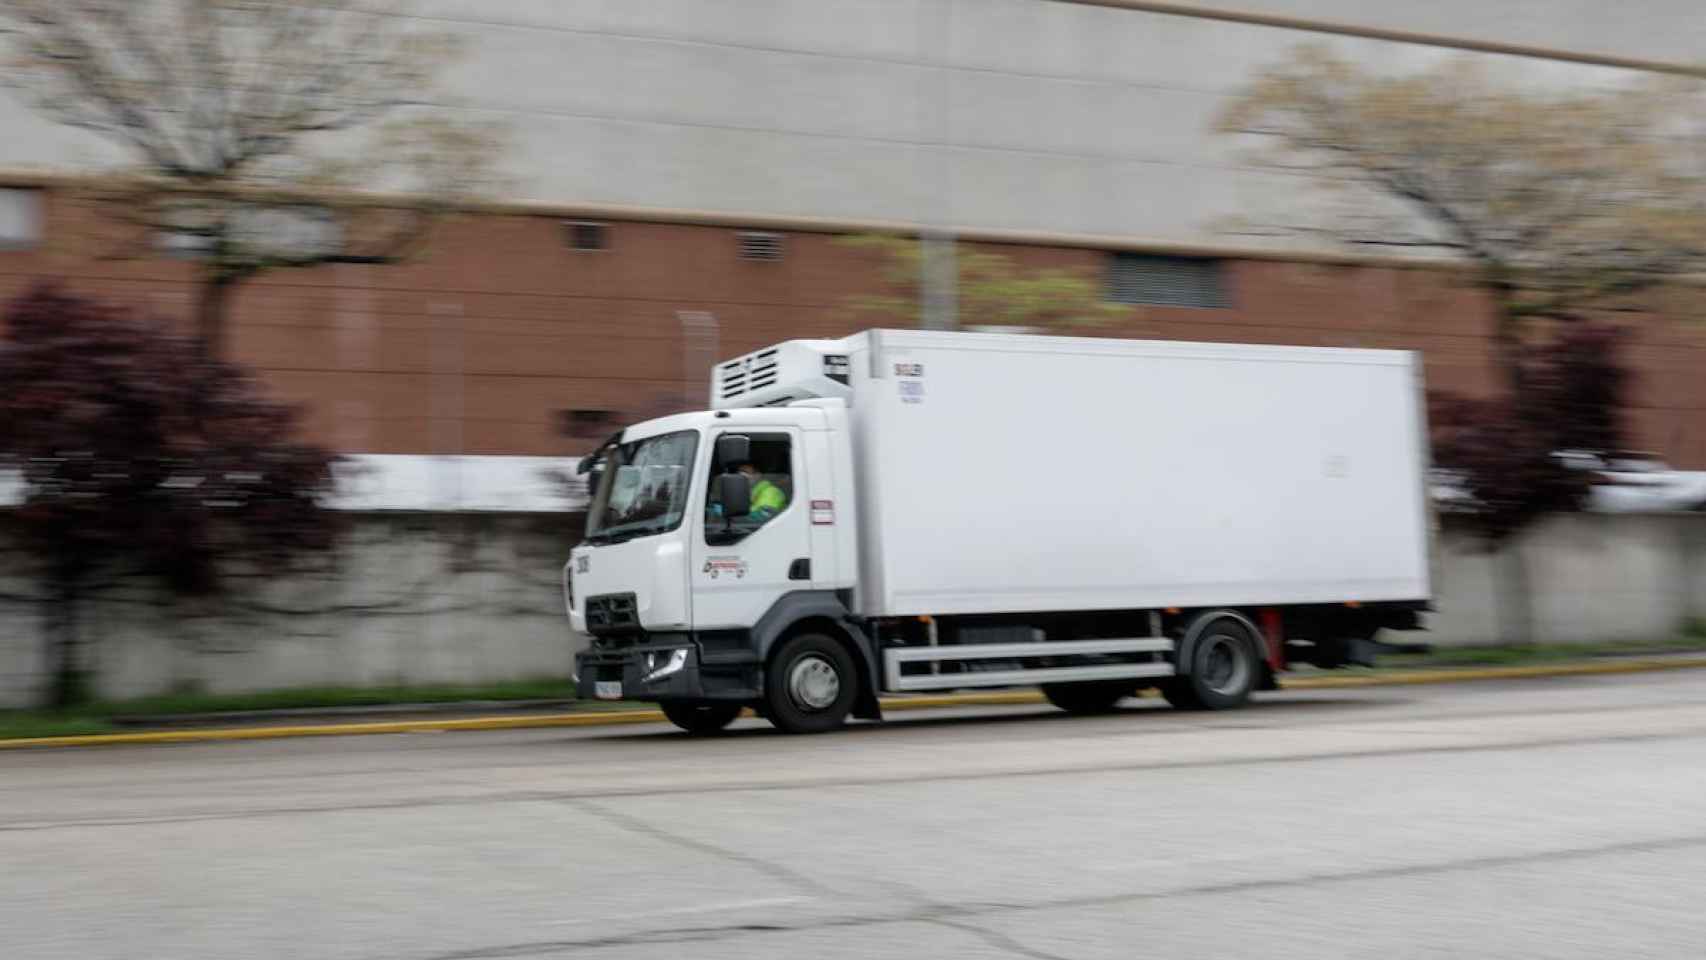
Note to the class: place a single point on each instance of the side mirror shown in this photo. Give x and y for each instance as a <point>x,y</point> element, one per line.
<point>734,492</point>
<point>733,449</point>
<point>595,459</point>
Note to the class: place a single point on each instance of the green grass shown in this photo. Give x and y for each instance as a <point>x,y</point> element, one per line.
<point>1502,655</point>
<point>30,726</point>
<point>101,717</point>
<point>311,697</point>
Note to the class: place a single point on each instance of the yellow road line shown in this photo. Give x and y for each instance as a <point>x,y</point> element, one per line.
<point>1007,698</point>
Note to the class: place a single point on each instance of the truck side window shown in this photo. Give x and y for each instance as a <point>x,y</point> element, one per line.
<point>772,472</point>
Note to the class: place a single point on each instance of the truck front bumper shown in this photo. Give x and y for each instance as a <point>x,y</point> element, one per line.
<point>660,668</point>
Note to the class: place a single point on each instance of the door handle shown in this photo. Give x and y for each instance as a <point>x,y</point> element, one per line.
<point>800,569</point>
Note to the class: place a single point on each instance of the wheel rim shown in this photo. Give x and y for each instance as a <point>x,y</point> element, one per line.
<point>1225,669</point>
<point>813,683</point>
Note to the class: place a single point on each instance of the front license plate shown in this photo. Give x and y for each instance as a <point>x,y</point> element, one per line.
<point>607,689</point>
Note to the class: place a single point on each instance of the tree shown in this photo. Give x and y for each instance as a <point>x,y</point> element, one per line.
<point>991,291</point>
<point>139,456</point>
<point>241,125</point>
<point>1560,204</point>
<point>1503,452</point>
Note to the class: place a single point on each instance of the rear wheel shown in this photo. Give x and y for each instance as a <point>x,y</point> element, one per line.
<point>1223,669</point>
<point>1096,696</point>
<point>700,717</point>
<point>811,685</point>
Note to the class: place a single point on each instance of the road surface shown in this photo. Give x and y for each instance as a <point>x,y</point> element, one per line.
<point>1556,818</point>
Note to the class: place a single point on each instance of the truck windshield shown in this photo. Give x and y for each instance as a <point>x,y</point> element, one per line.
<point>644,487</point>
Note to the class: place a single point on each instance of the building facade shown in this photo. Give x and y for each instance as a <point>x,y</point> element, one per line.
<point>681,171</point>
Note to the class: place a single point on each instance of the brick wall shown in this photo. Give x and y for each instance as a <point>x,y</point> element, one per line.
<point>478,346</point>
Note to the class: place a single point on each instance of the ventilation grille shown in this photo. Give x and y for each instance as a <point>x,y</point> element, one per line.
<point>742,376</point>
<point>585,235</point>
<point>760,246</point>
<point>612,613</point>
<point>1166,281</point>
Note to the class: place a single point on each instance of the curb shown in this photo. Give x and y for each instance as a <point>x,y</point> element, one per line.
<point>1015,698</point>
<point>288,714</point>
<point>1450,675</point>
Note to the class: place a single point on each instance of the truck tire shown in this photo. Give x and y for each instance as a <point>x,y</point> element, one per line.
<point>700,717</point>
<point>810,685</point>
<point>1095,696</point>
<point>1223,670</point>
<point>1178,693</point>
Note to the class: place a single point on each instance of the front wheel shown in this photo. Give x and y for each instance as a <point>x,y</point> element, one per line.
<point>700,717</point>
<point>810,685</point>
<point>1223,670</point>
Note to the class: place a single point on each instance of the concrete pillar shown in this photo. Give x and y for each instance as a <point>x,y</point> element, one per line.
<point>939,283</point>
<point>700,336</point>
<point>939,286</point>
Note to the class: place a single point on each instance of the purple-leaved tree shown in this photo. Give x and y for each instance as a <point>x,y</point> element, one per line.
<point>138,455</point>
<point>1504,450</point>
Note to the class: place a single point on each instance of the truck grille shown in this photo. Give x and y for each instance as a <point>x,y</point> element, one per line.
<point>743,375</point>
<point>612,613</point>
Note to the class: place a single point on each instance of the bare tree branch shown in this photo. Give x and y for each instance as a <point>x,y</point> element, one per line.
<point>219,104</point>
<point>1558,202</point>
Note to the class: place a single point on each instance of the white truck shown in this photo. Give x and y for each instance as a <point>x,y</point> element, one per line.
<point>905,511</point>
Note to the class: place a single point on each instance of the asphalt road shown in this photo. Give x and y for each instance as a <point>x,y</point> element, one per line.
<point>1545,819</point>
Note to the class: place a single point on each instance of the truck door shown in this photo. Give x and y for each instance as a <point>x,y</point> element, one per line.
<point>742,565</point>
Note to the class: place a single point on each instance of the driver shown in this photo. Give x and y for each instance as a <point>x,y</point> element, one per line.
<point>767,498</point>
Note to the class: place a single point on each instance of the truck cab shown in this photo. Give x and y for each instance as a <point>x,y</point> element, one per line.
<point>710,537</point>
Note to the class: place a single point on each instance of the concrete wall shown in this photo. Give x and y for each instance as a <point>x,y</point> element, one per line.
<point>1023,115</point>
<point>1591,578</point>
<point>413,598</point>
<point>469,599</point>
<point>1667,30</point>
